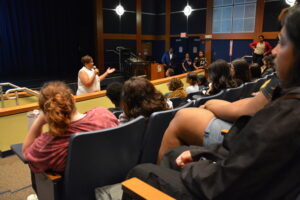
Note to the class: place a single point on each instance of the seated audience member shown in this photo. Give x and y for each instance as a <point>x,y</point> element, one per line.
<point>113,92</point>
<point>219,77</point>
<point>170,72</point>
<point>202,82</point>
<point>241,71</point>
<point>243,166</point>
<point>267,68</point>
<point>139,97</point>
<point>176,86</point>
<point>49,150</point>
<point>187,64</point>
<point>192,79</point>
<point>200,61</point>
<point>255,71</point>
<point>214,116</point>
<point>88,79</point>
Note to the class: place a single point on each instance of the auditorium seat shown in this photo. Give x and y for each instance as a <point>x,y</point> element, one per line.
<point>203,99</point>
<point>233,94</point>
<point>95,159</point>
<point>177,101</point>
<point>156,127</point>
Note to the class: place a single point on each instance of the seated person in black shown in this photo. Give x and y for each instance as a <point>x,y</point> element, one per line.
<point>259,160</point>
<point>113,92</point>
<point>186,64</point>
<point>200,61</point>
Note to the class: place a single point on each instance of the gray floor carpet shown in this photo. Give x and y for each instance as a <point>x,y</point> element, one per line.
<point>15,182</point>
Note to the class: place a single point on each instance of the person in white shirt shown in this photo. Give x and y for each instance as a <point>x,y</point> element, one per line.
<point>88,79</point>
<point>192,79</point>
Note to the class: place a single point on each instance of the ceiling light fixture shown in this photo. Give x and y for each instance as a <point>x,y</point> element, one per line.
<point>187,10</point>
<point>120,10</point>
<point>290,2</point>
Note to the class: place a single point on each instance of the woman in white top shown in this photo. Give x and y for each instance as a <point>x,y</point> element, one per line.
<point>88,79</point>
<point>192,79</point>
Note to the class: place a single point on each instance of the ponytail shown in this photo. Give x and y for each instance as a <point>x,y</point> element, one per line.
<point>58,106</point>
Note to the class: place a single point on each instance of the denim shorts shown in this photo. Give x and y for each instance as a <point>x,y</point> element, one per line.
<point>212,133</point>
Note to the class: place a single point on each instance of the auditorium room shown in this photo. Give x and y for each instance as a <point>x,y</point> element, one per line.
<point>149,99</point>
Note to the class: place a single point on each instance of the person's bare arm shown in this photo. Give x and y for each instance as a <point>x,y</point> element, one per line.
<point>183,66</point>
<point>232,111</point>
<point>106,73</point>
<point>34,132</point>
<point>86,81</point>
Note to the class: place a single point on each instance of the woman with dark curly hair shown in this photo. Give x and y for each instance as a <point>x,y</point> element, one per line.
<point>176,86</point>
<point>139,97</point>
<point>219,77</point>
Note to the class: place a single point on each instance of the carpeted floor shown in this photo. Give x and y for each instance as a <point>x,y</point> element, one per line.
<point>15,182</point>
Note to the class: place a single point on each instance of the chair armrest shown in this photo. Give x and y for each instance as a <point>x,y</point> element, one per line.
<point>53,176</point>
<point>137,189</point>
<point>17,149</point>
<point>224,131</point>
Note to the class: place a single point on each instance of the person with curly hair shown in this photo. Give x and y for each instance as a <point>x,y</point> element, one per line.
<point>176,86</point>
<point>48,150</point>
<point>139,97</point>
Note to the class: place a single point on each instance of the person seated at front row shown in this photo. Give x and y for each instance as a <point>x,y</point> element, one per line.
<point>187,64</point>
<point>88,79</point>
<point>113,92</point>
<point>244,165</point>
<point>176,87</point>
<point>49,150</point>
<point>139,97</point>
<point>193,80</point>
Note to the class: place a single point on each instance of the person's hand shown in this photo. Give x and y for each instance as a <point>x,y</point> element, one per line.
<point>202,106</point>
<point>184,159</point>
<point>110,70</point>
<point>96,71</point>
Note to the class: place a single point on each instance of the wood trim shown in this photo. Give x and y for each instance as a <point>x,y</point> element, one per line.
<point>270,35</point>
<point>168,24</point>
<point>167,79</point>
<point>259,20</point>
<point>99,35</point>
<point>143,190</point>
<point>29,107</point>
<point>233,36</point>
<point>153,37</point>
<point>190,35</point>
<point>139,27</point>
<point>107,36</point>
<point>208,30</point>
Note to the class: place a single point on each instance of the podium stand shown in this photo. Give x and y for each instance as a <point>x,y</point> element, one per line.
<point>157,71</point>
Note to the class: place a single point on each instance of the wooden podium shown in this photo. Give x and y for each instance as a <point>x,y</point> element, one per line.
<point>157,71</point>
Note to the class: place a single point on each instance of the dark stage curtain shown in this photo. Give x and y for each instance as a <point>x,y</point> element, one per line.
<point>44,38</point>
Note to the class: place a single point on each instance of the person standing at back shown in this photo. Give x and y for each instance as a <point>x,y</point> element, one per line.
<point>260,49</point>
<point>88,79</point>
<point>168,60</point>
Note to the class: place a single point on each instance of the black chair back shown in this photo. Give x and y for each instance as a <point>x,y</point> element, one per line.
<point>102,158</point>
<point>202,100</point>
<point>190,95</point>
<point>248,89</point>
<point>177,101</point>
<point>233,94</point>
<point>156,127</point>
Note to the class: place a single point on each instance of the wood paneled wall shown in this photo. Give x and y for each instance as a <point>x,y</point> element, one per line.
<point>100,36</point>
